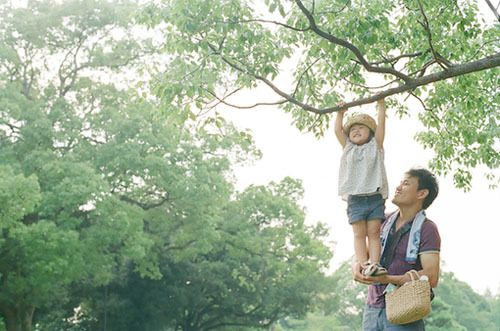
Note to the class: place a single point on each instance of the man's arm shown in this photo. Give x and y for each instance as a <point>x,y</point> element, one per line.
<point>339,131</point>
<point>430,265</point>
<point>430,268</point>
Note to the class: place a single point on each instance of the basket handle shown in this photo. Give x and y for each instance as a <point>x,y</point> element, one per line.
<point>414,275</point>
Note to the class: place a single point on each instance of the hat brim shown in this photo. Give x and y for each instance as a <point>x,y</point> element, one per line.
<point>363,119</point>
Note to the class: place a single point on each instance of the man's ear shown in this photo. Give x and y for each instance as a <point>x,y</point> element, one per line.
<point>422,194</point>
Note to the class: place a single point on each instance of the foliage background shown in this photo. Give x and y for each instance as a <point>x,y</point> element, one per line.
<point>111,204</point>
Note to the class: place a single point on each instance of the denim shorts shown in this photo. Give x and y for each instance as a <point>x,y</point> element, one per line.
<point>365,208</point>
<point>375,319</point>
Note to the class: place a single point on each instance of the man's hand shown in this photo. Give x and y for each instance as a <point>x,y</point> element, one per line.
<point>357,275</point>
<point>368,280</point>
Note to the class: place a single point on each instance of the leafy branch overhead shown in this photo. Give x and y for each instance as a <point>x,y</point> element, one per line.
<point>314,54</point>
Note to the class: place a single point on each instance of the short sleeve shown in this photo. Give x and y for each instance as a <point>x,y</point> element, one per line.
<point>430,241</point>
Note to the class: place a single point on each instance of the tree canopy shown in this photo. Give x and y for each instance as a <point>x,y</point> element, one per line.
<point>104,204</point>
<point>264,265</point>
<point>315,54</point>
<point>64,210</point>
<point>110,205</point>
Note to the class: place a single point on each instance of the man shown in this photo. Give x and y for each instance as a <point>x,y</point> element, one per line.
<point>415,193</point>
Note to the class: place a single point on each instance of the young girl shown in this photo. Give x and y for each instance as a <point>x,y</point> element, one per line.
<point>363,183</point>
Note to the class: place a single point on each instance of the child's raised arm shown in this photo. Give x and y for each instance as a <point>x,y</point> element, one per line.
<point>339,131</point>
<point>380,131</point>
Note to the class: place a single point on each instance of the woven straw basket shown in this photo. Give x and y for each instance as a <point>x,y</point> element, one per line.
<point>409,302</point>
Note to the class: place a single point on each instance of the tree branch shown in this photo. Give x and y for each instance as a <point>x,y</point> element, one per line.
<point>13,128</point>
<point>369,87</point>
<point>493,9</point>
<point>143,205</point>
<point>205,110</point>
<point>264,21</point>
<point>426,26</point>
<point>453,71</point>
<point>397,58</point>
<point>63,88</point>
<point>456,70</point>
<point>333,12</point>
<point>349,46</point>
<point>244,107</point>
<point>264,80</point>
<point>170,247</point>
<point>482,46</point>
<point>27,82</point>
<point>303,73</point>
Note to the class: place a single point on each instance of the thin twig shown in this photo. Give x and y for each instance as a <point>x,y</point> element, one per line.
<point>304,72</point>
<point>397,58</point>
<point>314,123</point>
<point>370,87</point>
<point>245,107</point>
<point>349,46</point>
<point>262,21</point>
<point>429,35</point>
<point>481,47</point>
<point>219,101</point>
<point>424,68</point>
<point>333,12</point>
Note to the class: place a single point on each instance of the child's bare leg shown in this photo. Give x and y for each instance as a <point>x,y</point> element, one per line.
<point>373,233</point>
<point>360,232</point>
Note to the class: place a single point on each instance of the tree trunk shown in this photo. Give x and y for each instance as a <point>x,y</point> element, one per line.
<point>18,319</point>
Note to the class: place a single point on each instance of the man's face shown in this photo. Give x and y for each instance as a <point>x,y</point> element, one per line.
<point>407,192</point>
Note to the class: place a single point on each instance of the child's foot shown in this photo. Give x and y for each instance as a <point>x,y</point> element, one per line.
<point>381,271</point>
<point>375,269</point>
<point>364,266</point>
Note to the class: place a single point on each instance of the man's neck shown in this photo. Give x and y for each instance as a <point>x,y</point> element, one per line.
<point>407,214</point>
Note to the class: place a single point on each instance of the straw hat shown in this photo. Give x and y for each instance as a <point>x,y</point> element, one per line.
<point>360,119</point>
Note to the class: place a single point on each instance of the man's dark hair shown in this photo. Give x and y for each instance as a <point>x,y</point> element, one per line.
<point>426,181</point>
